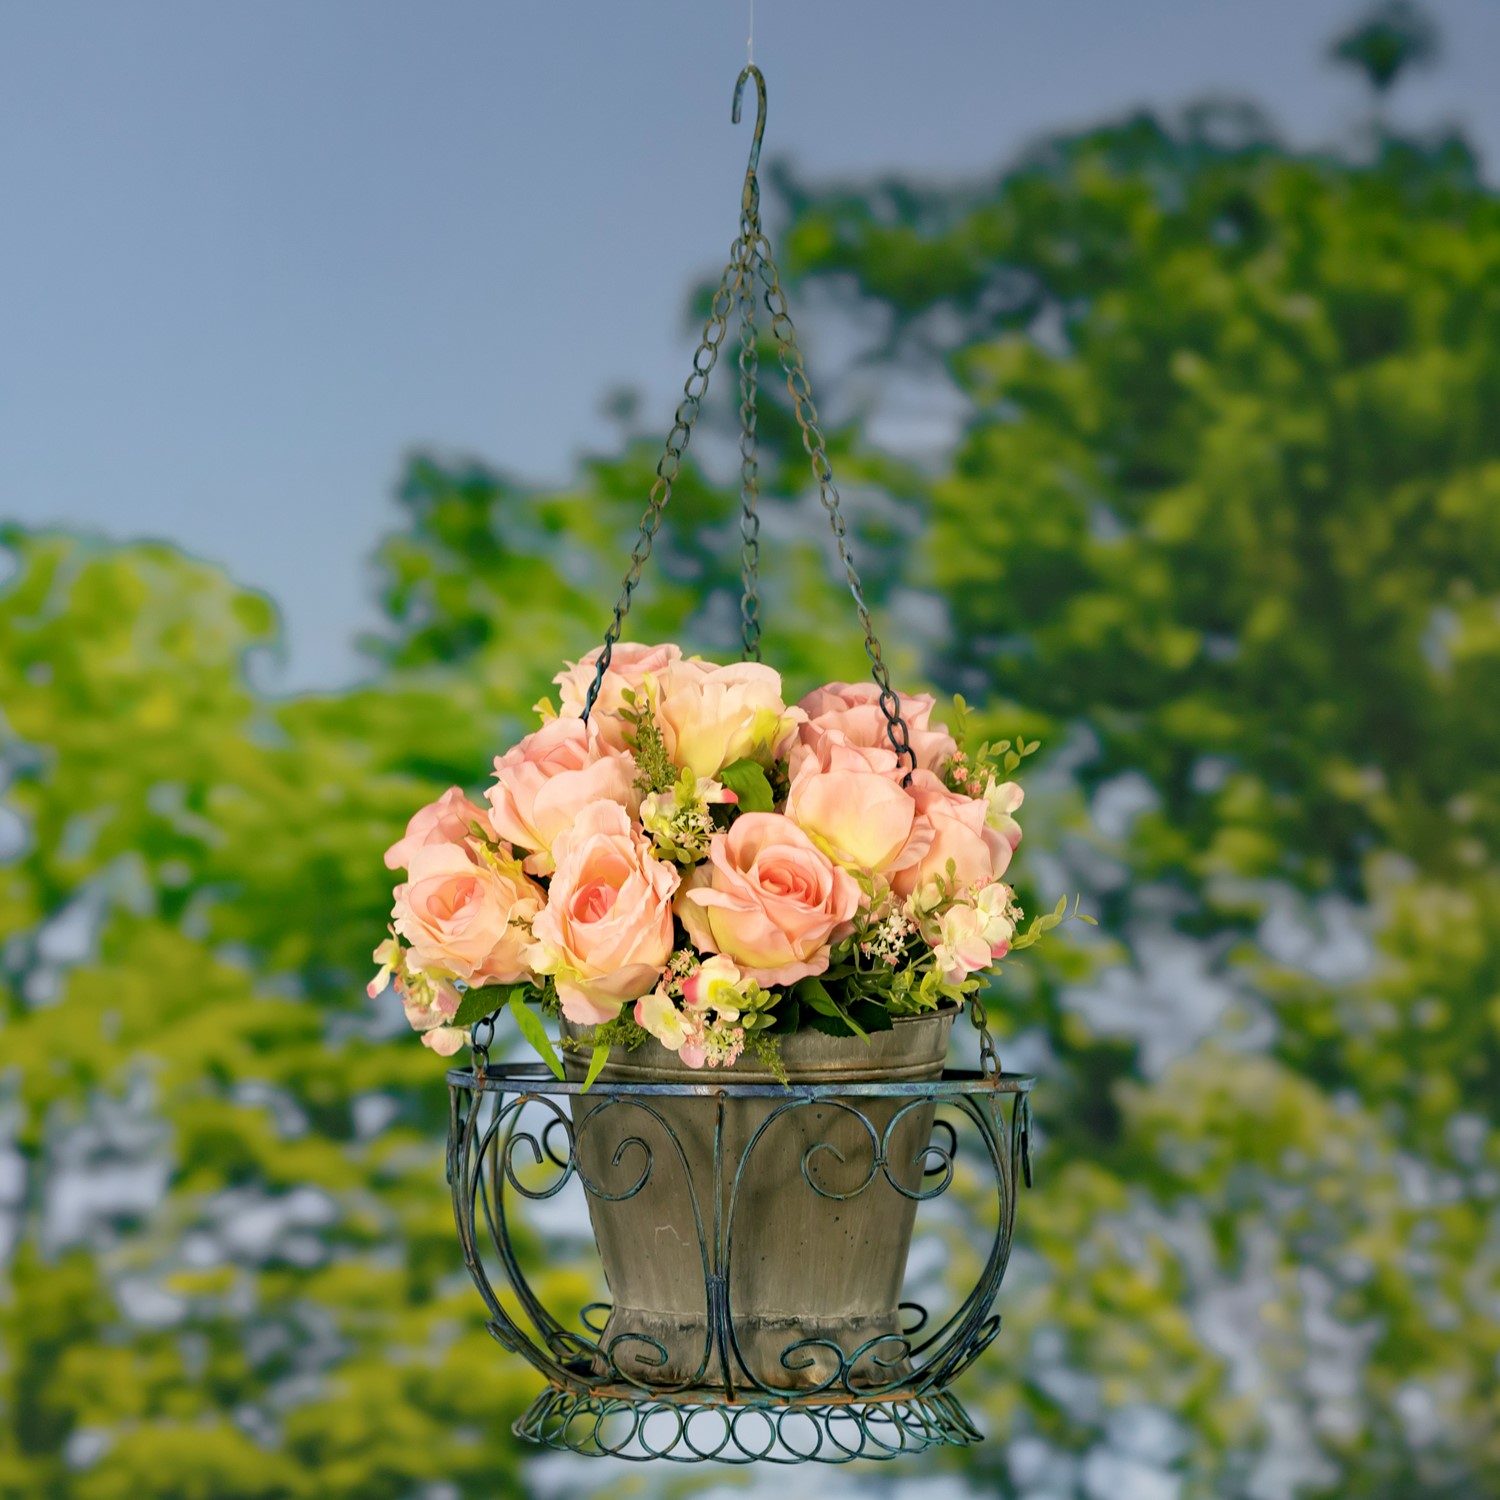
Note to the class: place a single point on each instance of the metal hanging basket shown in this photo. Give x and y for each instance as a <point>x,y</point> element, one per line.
<point>519,1136</point>
<point>755,1300</point>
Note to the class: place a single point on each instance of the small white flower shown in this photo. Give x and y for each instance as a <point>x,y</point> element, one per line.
<point>662,1019</point>
<point>715,986</point>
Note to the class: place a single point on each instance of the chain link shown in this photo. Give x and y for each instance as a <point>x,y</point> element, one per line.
<point>989,1059</point>
<point>749,466</point>
<point>790,358</point>
<point>704,359</point>
<point>481,1049</point>
<point>750,263</point>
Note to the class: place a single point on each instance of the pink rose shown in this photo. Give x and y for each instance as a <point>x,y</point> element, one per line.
<point>854,708</point>
<point>833,750</point>
<point>769,899</point>
<point>628,667</point>
<point>606,930</point>
<point>953,827</point>
<point>713,716</point>
<point>446,821</point>
<point>549,778</point>
<point>850,801</point>
<point>462,918</point>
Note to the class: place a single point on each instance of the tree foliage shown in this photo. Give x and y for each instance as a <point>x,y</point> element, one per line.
<point>1391,38</point>
<point>1221,527</point>
<point>1223,516</point>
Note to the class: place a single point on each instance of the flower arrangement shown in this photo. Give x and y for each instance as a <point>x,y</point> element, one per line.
<point>698,862</point>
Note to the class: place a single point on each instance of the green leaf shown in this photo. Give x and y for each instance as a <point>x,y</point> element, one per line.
<point>871,1016</point>
<point>747,780</point>
<point>812,992</point>
<point>483,1000</point>
<point>533,1030</point>
<point>596,1064</point>
<point>788,1017</point>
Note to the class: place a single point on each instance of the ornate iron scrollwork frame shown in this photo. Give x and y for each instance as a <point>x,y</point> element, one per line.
<point>594,1403</point>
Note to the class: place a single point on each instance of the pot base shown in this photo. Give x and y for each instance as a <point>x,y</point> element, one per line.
<point>698,1427</point>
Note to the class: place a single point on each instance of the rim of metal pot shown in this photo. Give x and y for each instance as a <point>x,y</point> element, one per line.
<point>536,1078</point>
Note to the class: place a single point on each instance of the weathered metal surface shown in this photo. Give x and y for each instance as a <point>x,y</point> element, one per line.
<point>818,1212</point>
<point>513,1139</point>
<point>687,1432</point>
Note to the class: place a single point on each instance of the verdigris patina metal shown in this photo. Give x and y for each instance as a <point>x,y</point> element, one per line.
<point>818,1212</point>
<point>695,1379</point>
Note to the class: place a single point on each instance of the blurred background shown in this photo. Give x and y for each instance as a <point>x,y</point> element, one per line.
<point>1159,348</point>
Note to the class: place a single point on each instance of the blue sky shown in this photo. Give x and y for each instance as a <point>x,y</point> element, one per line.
<point>255,252</point>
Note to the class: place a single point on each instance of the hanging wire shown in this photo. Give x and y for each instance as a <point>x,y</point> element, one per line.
<point>750,267</point>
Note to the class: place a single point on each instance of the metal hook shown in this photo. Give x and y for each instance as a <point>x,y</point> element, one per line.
<point>751,200</point>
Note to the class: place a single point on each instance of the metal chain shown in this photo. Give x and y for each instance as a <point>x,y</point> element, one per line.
<point>989,1059</point>
<point>749,466</point>
<point>481,1049</point>
<point>790,358</point>
<point>751,261</point>
<point>704,359</point>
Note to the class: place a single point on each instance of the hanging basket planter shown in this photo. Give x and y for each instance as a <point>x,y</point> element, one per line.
<point>755,924</point>
<point>753,1236</point>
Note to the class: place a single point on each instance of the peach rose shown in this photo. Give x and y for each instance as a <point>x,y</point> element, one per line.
<point>768,898</point>
<point>446,821</point>
<point>832,748</point>
<point>713,716</point>
<point>549,778</point>
<point>954,828</point>
<point>629,666</point>
<point>846,798</point>
<point>606,930</point>
<point>854,708</point>
<point>463,918</point>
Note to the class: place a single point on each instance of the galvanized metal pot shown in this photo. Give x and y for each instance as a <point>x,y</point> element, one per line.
<point>814,1214</point>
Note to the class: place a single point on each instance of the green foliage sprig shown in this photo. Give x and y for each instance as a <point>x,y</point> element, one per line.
<point>654,769</point>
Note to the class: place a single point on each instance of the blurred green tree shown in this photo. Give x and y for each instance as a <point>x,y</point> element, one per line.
<point>1222,519</point>
<point>1386,42</point>
<point>1218,523</point>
